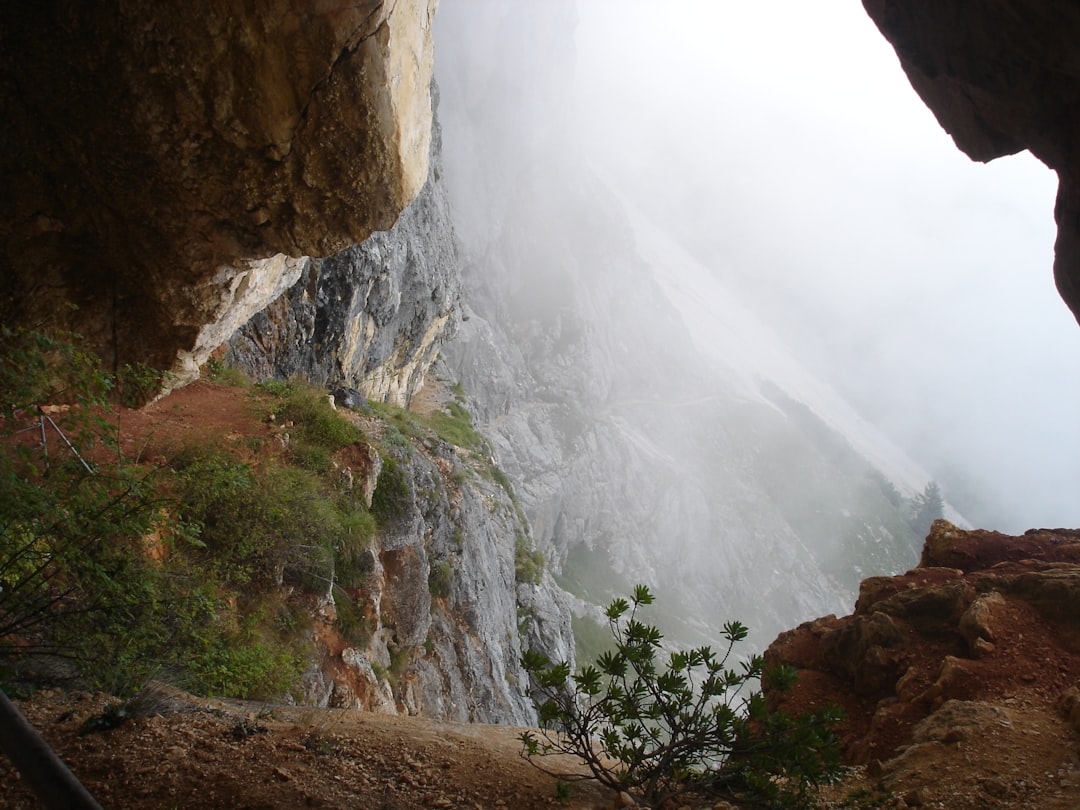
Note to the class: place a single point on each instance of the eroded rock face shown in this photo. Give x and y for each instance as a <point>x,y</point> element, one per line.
<point>1001,77</point>
<point>153,151</point>
<point>372,317</point>
<point>984,617</point>
<point>445,618</point>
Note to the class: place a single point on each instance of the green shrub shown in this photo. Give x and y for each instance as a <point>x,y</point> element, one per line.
<point>392,496</point>
<point>127,572</point>
<point>38,369</point>
<point>311,457</point>
<point>66,526</point>
<point>218,372</point>
<point>245,668</point>
<point>393,436</point>
<point>503,480</point>
<point>308,408</point>
<point>441,579</point>
<point>353,559</point>
<point>665,729</point>
<point>137,384</point>
<point>455,426</point>
<point>350,621</point>
<point>528,562</point>
<point>262,524</point>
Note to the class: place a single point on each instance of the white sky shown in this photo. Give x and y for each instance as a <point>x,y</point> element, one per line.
<point>782,141</point>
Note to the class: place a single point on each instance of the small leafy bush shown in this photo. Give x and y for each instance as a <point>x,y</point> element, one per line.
<point>265,523</point>
<point>392,496</point>
<point>350,620</point>
<point>455,426</point>
<point>353,559</point>
<point>308,408</point>
<point>248,668</point>
<point>222,374</point>
<point>441,579</point>
<point>528,563</point>
<point>137,384</point>
<point>123,572</point>
<point>662,729</point>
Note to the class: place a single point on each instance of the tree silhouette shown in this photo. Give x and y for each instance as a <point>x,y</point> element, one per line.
<point>926,507</point>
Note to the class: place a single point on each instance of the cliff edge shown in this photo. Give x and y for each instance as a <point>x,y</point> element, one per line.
<point>962,671</point>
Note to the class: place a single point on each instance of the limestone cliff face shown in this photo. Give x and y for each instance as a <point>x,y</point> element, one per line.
<point>1001,77</point>
<point>372,317</point>
<point>446,616</point>
<point>157,157</point>
<point>635,456</point>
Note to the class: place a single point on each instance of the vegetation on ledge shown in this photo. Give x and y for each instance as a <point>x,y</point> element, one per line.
<point>199,567</point>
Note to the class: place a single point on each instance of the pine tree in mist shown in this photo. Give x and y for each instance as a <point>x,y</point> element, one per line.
<point>926,507</point>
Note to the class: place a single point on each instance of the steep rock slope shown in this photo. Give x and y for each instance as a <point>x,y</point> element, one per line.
<point>156,157</point>
<point>446,609</point>
<point>451,617</point>
<point>645,449</point>
<point>1001,78</point>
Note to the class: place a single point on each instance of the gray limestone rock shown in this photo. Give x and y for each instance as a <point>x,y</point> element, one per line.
<point>448,612</point>
<point>372,317</point>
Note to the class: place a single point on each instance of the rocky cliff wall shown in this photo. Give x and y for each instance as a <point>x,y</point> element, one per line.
<point>372,317</point>
<point>447,615</point>
<point>1001,77</point>
<point>635,456</point>
<point>446,609</point>
<point>156,157</point>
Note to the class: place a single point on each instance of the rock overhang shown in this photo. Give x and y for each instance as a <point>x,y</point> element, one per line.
<point>158,154</point>
<point>1000,78</point>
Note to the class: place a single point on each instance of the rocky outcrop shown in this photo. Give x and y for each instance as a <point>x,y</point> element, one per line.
<point>157,155</point>
<point>1001,77</point>
<point>372,317</point>
<point>442,614</point>
<point>984,618</point>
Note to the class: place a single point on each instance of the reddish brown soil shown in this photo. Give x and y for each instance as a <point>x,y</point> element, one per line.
<point>215,754</point>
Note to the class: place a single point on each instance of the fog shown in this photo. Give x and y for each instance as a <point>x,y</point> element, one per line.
<point>917,282</point>
<point>780,142</point>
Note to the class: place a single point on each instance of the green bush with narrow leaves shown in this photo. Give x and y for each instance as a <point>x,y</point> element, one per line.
<point>392,496</point>
<point>528,562</point>
<point>687,723</point>
<point>113,572</point>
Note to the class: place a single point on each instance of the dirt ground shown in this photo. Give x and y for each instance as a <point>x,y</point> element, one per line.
<point>189,753</point>
<point>182,752</point>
